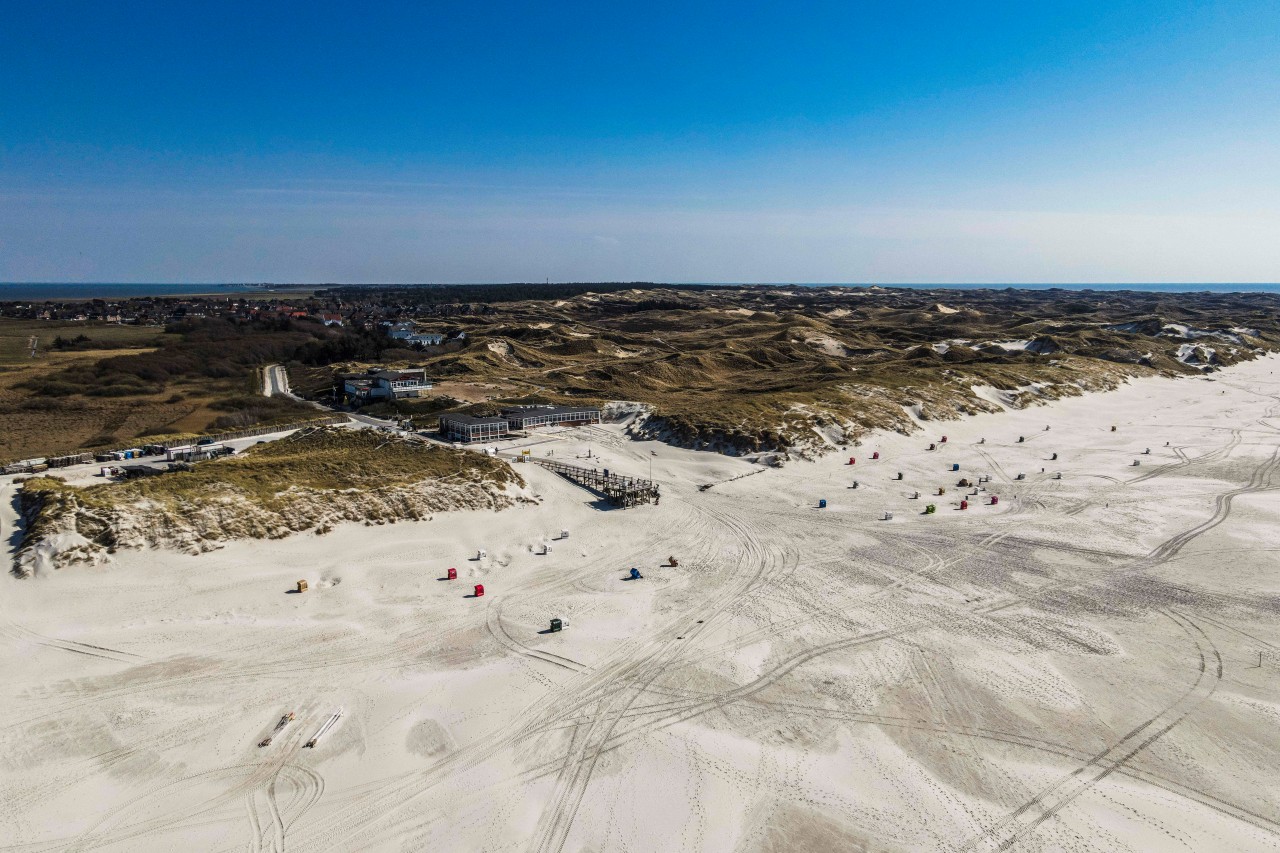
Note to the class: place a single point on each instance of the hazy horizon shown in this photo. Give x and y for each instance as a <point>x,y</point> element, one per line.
<point>42,291</point>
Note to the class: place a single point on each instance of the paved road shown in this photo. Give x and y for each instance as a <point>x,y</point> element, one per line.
<point>275,380</point>
<point>370,420</point>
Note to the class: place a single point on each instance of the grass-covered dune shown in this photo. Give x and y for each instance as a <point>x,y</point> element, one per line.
<point>752,369</point>
<point>311,480</point>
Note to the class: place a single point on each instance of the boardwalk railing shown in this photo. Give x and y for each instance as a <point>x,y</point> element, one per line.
<point>620,490</point>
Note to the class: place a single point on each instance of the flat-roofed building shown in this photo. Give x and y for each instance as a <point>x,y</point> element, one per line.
<point>468,428</point>
<point>395,384</point>
<point>357,388</point>
<point>360,388</point>
<point>524,417</point>
<point>407,333</point>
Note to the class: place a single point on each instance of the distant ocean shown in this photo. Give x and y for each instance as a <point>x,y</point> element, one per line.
<point>40,291</point>
<point>1160,287</point>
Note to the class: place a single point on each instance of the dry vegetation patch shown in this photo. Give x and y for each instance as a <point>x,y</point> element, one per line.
<point>746,370</point>
<point>312,480</point>
<point>108,386</point>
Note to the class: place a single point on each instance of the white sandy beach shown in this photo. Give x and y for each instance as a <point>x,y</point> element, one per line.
<point>1075,668</point>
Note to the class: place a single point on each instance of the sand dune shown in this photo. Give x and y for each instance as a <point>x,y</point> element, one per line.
<point>1074,668</point>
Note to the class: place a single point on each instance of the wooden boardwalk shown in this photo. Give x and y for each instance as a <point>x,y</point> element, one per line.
<point>620,490</point>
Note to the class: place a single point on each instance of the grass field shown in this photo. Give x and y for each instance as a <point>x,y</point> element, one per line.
<point>16,335</point>
<point>33,425</point>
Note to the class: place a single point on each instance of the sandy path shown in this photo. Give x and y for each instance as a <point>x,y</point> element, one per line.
<point>1073,668</point>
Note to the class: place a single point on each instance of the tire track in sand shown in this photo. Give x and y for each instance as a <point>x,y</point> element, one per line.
<point>586,752</point>
<point>1051,800</point>
<point>672,713</point>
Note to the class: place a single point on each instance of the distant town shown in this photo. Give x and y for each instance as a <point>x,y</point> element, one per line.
<point>161,311</point>
<point>355,307</point>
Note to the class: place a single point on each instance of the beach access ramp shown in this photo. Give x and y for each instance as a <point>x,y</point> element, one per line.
<point>619,490</point>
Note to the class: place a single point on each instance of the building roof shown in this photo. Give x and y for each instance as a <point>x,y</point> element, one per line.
<point>410,373</point>
<point>470,420</point>
<point>541,411</point>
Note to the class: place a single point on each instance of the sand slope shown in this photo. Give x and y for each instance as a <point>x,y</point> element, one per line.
<point>1072,669</point>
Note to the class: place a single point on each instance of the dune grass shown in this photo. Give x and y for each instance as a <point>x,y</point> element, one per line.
<point>762,368</point>
<point>323,459</point>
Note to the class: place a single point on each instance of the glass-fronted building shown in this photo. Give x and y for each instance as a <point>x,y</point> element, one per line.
<point>458,427</point>
<point>524,417</point>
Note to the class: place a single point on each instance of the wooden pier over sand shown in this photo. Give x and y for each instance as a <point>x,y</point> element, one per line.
<point>620,490</point>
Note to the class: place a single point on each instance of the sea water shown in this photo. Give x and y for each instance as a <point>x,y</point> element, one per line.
<point>77,291</point>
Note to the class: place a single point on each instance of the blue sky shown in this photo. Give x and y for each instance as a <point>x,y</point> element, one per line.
<point>860,142</point>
